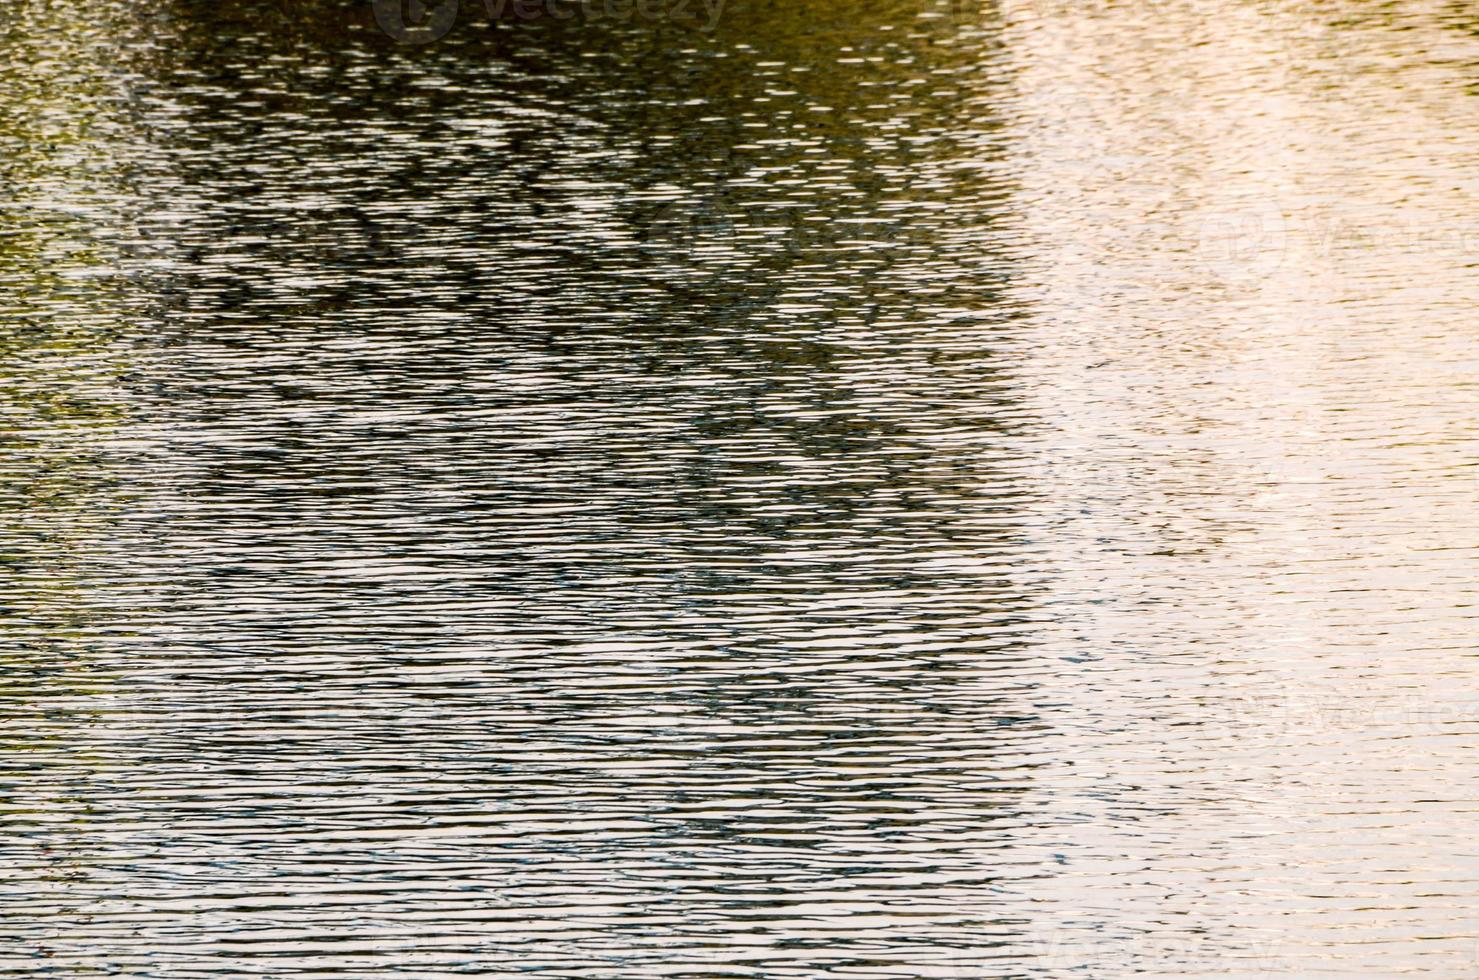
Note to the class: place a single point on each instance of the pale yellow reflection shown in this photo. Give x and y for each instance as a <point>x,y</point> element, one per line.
<point>1251,235</point>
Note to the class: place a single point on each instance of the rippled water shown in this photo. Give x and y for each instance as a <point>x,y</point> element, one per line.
<point>868,491</point>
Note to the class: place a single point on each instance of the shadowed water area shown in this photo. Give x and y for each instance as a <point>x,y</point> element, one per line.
<point>865,491</point>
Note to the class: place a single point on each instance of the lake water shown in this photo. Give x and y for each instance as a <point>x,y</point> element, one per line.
<point>862,491</point>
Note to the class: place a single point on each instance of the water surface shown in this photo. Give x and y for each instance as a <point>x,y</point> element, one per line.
<point>868,491</point>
